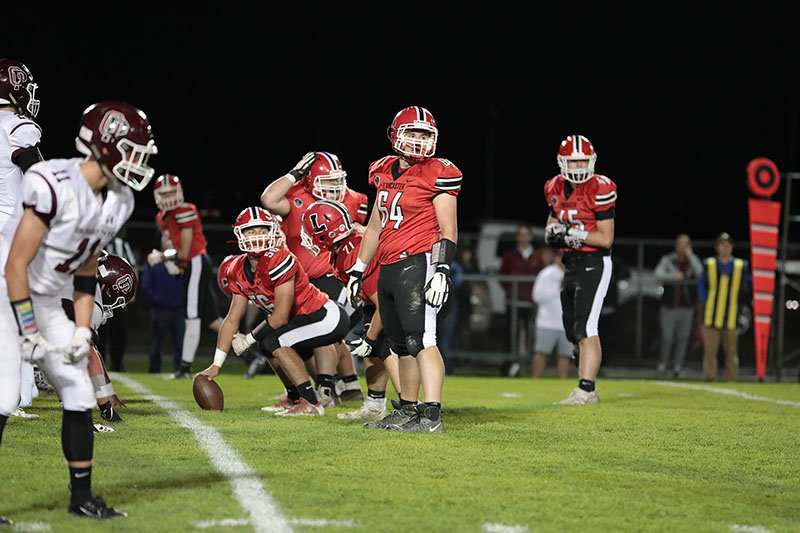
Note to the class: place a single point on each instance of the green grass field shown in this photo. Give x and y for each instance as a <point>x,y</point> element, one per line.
<point>648,458</point>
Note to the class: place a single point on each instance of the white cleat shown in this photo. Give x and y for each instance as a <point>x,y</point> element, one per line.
<point>100,428</point>
<point>373,409</point>
<point>580,397</point>
<point>284,404</point>
<point>20,412</point>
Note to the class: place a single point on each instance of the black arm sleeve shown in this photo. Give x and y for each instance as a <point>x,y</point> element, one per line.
<point>604,215</point>
<point>25,159</point>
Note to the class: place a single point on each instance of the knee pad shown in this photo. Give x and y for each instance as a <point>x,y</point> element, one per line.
<point>414,343</point>
<point>77,437</point>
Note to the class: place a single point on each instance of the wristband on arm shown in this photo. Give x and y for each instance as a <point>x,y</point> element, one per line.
<point>23,312</point>
<point>84,284</point>
<point>219,357</point>
<point>171,254</point>
<point>262,330</point>
<point>442,254</point>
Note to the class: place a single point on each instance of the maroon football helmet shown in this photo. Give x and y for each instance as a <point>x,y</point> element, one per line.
<point>324,224</point>
<point>118,282</point>
<point>166,185</point>
<point>120,138</point>
<point>17,87</point>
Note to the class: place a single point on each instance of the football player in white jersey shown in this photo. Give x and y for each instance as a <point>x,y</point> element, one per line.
<point>53,239</point>
<point>19,142</point>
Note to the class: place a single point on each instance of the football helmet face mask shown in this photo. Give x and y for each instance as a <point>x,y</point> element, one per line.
<point>120,138</point>
<point>324,224</point>
<point>326,178</point>
<point>17,87</point>
<point>576,148</point>
<point>266,232</point>
<point>168,192</point>
<point>414,148</point>
<point>118,282</point>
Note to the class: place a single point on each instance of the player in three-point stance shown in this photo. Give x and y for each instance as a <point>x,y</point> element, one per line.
<point>319,176</point>
<point>581,221</point>
<point>301,318</point>
<point>327,228</point>
<point>53,239</point>
<point>412,233</point>
<point>180,226</point>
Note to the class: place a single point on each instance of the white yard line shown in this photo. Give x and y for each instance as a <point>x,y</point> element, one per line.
<point>247,488</point>
<point>309,522</point>
<point>736,528</point>
<point>32,526</point>
<point>729,392</point>
<point>491,527</point>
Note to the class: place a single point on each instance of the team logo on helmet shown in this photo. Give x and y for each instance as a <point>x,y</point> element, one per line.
<point>16,76</point>
<point>298,202</point>
<point>124,284</point>
<point>554,201</point>
<point>113,125</point>
<point>377,182</point>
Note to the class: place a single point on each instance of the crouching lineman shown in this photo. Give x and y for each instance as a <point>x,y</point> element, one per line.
<point>301,317</point>
<point>581,221</point>
<point>60,223</point>
<point>116,288</point>
<point>327,228</point>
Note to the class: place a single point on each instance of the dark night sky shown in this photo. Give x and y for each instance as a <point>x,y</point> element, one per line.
<point>676,101</point>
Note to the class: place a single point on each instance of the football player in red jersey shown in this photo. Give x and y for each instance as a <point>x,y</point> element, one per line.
<point>180,225</point>
<point>301,318</point>
<point>319,176</point>
<point>327,228</point>
<point>412,234</point>
<point>581,221</point>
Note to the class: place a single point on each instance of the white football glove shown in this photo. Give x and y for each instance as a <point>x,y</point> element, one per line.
<point>34,346</point>
<point>362,347</point>
<point>155,257</point>
<point>554,235</point>
<point>355,282</point>
<point>79,346</point>
<point>302,167</point>
<point>242,343</point>
<point>172,268</point>
<point>575,237</point>
<point>438,289</point>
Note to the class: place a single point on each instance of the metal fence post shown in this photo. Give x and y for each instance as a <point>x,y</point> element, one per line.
<point>639,298</point>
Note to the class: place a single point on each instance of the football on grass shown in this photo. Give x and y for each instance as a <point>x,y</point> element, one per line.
<point>207,394</point>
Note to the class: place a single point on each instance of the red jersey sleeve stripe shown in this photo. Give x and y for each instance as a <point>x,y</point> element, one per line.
<point>282,268</point>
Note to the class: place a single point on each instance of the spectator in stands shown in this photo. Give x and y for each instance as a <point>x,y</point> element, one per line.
<point>678,271</point>
<point>550,335</point>
<point>521,260</point>
<point>164,291</point>
<point>723,287</point>
<point>112,334</point>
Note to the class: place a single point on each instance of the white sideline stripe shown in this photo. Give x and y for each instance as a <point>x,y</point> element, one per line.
<point>729,392</point>
<point>247,489</point>
<point>491,527</point>
<point>309,522</point>
<point>510,395</point>
<point>750,529</point>
<point>32,526</point>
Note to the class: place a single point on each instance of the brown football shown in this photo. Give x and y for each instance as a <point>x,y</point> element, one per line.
<point>207,394</point>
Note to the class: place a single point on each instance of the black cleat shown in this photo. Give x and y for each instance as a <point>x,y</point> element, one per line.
<point>108,413</point>
<point>94,507</point>
<point>352,395</point>
<point>423,422</point>
<point>5,521</point>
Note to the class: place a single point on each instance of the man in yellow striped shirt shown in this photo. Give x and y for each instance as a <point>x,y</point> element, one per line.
<point>723,288</point>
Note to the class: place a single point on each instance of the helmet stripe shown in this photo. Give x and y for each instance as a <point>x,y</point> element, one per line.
<point>331,159</point>
<point>577,143</point>
<point>253,214</point>
<point>342,210</point>
<point>420,113</point>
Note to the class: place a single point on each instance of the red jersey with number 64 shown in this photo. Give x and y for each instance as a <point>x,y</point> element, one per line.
<point>275,267</point>
<point>581,206</point>
<point>405,203</point>
<point>170,223</point>
<point>343,261</point>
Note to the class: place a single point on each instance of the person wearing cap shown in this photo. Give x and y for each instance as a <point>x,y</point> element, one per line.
<point>723,287</point>
<point>678,271</point>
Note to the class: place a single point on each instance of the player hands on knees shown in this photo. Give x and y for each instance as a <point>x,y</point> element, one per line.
<point>581,221</point>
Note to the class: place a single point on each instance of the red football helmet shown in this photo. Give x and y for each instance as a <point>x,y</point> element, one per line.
<point>17,87</point>
<point>413,118</point>
<point>117,280</point>
<point>120,138</point>
<point>258,243</point>
<point>168,191</point>
<point>326,178</point>
<point>324,224</point>
<point>576,148</point>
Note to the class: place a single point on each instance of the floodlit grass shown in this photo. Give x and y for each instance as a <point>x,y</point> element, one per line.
<point>648,458</point>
